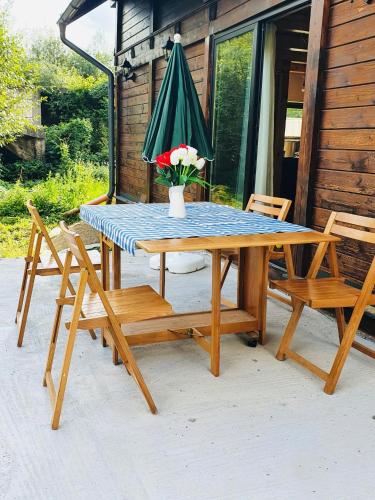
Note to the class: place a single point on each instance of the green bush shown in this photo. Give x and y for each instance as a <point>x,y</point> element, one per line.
<point>14,236</point>
<point>68,139</point>
<point>12,201</point>
<point>25,170</point>
<point>57,194</point>
<point>88,102</point>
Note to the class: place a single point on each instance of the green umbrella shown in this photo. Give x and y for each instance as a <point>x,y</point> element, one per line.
<point>177,117</point>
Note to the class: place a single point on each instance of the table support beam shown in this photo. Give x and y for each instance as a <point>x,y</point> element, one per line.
<point>216,306</point>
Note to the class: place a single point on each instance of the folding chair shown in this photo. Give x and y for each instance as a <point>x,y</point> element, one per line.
<point>37,265</point>
<point>102,309</point>
<point>273,207</point>
<point>333,292</point>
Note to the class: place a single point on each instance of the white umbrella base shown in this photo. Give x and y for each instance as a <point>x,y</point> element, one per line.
<point>179,262</point>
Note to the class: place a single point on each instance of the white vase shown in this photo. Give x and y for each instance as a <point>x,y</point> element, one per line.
<point>176,202</point>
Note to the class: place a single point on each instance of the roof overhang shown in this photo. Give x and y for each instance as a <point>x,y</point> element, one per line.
<point>77,9</point>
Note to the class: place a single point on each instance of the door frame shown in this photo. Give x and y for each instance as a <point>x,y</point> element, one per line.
<point>308,134</point>
<point>254,107</point>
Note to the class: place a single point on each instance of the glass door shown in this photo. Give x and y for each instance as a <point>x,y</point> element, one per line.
<point>233,115</point>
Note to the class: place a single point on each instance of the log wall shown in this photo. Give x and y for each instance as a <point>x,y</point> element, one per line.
<point>342,178</point>
<point>345,174</point>
<point>137,20</point>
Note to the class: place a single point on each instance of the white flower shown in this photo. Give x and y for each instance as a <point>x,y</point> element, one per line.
<point>200,163</point>
<point>192,157</point>
<point>175,157</point>
<point>192,150</point>
<point>186,161</point>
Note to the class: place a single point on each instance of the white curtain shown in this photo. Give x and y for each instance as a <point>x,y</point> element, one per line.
<point>264,166</point>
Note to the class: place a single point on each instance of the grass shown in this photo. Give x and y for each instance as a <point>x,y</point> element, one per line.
<point>53,196</point>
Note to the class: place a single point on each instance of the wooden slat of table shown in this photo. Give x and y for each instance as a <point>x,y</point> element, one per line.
<point>242,241</point>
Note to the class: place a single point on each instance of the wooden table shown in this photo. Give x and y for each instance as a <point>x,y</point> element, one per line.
<point>252,289</point>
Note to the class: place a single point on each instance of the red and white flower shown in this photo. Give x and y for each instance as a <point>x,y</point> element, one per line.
<point>180,166</point>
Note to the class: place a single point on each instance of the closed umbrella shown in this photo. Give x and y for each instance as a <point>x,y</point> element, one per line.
<point>177,117</point>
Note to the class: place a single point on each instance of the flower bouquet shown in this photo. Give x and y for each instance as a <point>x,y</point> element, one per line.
<point>176,169</point>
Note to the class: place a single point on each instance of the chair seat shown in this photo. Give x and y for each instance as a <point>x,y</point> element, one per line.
<point>321,293</point>
<point>128,304</point>
<point>47,262</point>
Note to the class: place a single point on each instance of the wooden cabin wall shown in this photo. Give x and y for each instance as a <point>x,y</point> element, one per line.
<point>133,115</point>
<point>345,174</point>
<point>135,99</point>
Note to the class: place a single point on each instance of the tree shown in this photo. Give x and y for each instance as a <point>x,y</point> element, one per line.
<point>61,68</point>
<point>17,85</point>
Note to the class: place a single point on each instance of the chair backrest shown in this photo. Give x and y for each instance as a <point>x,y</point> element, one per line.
<point>78,249</point>
<point>354,227</point>
<point>269,205</point>
<point>39,228</point>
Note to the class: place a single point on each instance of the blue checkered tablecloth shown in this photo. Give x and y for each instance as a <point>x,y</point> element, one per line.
<point>127,224</point>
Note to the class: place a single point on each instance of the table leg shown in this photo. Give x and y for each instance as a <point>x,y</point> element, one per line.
<point>252,285</point>
<point>116,280</point>
<point>104,251</point>
<point>162,275</point>
<point>215,315</point>
<point>116,267</point>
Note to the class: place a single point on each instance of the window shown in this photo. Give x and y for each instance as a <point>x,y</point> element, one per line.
<point>231,109</point>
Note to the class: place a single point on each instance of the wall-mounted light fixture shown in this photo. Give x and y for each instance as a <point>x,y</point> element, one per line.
<point>128,71</point>
<point>167,48</point>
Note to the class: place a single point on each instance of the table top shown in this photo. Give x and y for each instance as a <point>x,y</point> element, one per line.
<point>207,226</point>
<point>242,241</point>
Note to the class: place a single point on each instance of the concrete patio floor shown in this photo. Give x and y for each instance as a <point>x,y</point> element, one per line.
<point>262,430</point>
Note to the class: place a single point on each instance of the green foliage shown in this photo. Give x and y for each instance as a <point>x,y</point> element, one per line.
<point>71,87</point>
<point>231,106</point>
<point>12,201</point>
<point>224,196</point>
<point>60,68</point>
<point>14,236</point>
<point>60,105</point>
<point>70,140</point>
<point>294,113</point>
<point>54,196</point>
<point>74,112</point>
<point>17,84</point>
<point>58,193</point>
<point>25,170</point>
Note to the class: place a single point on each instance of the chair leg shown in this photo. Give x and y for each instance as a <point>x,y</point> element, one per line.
<point>342,353</point>
<point>53,342</point>
<point>128,360</point>
<point>23,289</point>
<point>289,331</point>
<point>69,351</point>
<point>340,318</point>
<point>115,357</point>
<point>224,271</point>
<point>26,306</point>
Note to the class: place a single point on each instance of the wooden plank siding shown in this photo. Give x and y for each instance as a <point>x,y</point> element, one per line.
<point>134,99</point>
<point>342,152</point>
<point>133,116</point>
<point>345,176</point>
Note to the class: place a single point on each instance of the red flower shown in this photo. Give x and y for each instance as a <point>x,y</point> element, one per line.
<point>182,146</point>
<point>163,160</point>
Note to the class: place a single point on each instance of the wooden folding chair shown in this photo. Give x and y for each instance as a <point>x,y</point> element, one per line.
<point>35,265</point>
<point>333,292</point>
<point>272,207</point>
<point>102,309</point>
